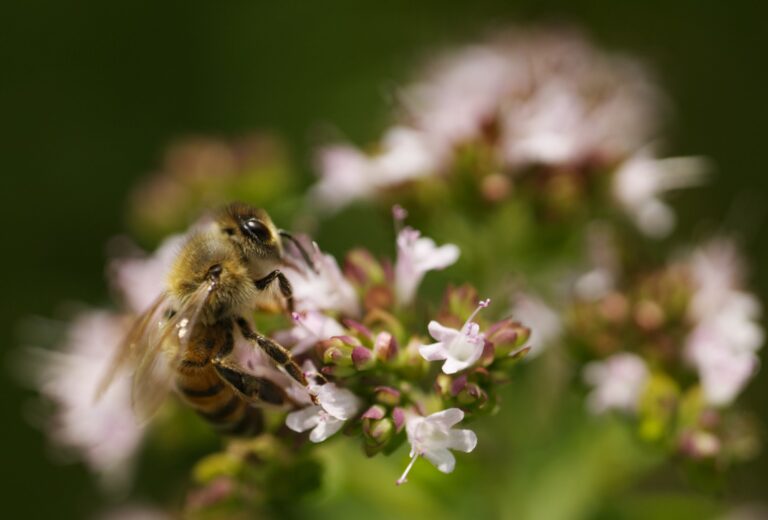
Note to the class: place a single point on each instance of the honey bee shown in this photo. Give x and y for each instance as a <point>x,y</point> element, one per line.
<point>186,338</point>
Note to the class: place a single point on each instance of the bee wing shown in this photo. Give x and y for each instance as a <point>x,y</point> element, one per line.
<point>163,350</point>
<point>134,344</point>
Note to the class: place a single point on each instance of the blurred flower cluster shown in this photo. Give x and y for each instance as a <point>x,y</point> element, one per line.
<point>540,112</point>
<point>527,164</point>
<point>673,345</point>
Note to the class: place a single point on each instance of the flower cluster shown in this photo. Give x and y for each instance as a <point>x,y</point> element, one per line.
<point>526,108</point>
<point>674,346</point>
<point>366,355</point>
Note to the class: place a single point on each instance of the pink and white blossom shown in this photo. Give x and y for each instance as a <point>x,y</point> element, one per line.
<point>310,327</point>
<point>727,334</point>
<point>459,348</point>
<point>348,174</point>
<point>642,180</point>
<point>533,97</point>
<point>104,433</point>
<point>334,407</point>
<point>139,280</point>
<point>323,288</point>
<point>543,321</point>
<point>417,255</point>
<point>433,437</point>
<point>617,381</point>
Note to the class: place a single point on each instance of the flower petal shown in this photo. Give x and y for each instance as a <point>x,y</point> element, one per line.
<point>433,352</point>
<point>462,440</point>
<point>339,402</point>
<point>441,332</point>
<point>452,365</point>
<point>325,428</point>
<point>441,458</point>
<point>447,418</point>
<point>304,419</point>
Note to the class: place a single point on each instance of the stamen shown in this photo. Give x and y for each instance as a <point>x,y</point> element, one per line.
<point>402,479</point>
<point>301,321</point>
<point>482,304</point>
<point>399,214</point>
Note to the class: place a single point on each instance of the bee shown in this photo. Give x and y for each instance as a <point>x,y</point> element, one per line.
<point>186,338</point>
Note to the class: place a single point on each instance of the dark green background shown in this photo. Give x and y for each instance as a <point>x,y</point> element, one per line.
<point>91,92</point>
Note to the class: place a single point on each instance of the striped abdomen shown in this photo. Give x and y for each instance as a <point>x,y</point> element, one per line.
<point>202,388</point>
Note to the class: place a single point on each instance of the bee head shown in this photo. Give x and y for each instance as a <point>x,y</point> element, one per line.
<point>251,231</point>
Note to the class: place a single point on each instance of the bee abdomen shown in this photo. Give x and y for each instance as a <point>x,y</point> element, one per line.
<point>218,403</point>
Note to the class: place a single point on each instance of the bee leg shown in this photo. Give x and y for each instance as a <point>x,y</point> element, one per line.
<point>285,286</point>
<point>277,352</point>
<point>252,388</point>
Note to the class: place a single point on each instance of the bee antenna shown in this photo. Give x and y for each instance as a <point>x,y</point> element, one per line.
<point>297,243</point>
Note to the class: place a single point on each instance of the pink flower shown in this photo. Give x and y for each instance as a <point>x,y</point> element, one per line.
<point>433,437</point>
<point>334,407</point>
<point>640,182</point>
<point>459,348</point>
<point>309,328</point>
<point>345,176</point>
<point>141,279</point>
<point>618,382</point>
<point>348,174</point>
<point>726,335</point>
<point>104,433</point>
<point>416,255</point>
<point>461,92</point>
<point>544,323</point>
<point>324,288</point>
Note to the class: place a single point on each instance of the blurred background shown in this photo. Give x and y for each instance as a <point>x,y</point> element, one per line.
<point>91,94</point>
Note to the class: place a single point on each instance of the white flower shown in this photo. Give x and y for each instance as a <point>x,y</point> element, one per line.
<point>347,174</point>
<point>334,406</point>
<point>459,348</point>
<point>415,256</point>
<point>543,321</point>
<point>140,279</point>
<point>433,436</point>
<point>309,328</point>
<point>461,92</point>
<point>105,433</point>
<point>723,371</point>
<point>324,288</point>
<point>641,181</point>
<point>726,335</point>
<point>618,380</point>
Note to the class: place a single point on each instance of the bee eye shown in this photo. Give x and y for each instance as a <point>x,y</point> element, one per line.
<point>255,229</point>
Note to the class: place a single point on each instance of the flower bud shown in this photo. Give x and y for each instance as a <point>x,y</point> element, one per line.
<point>362,358</point>
<point>377,433</point>
<point>363,269</point>
<point>387,395</point>
<point>338,350</point>
<point>385,347</point>
<point>472,395</point>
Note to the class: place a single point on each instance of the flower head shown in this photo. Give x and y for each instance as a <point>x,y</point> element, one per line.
<point>433,437</point>
<point>618,382</point>
<point>459,348</point>
<point>416,255</point>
